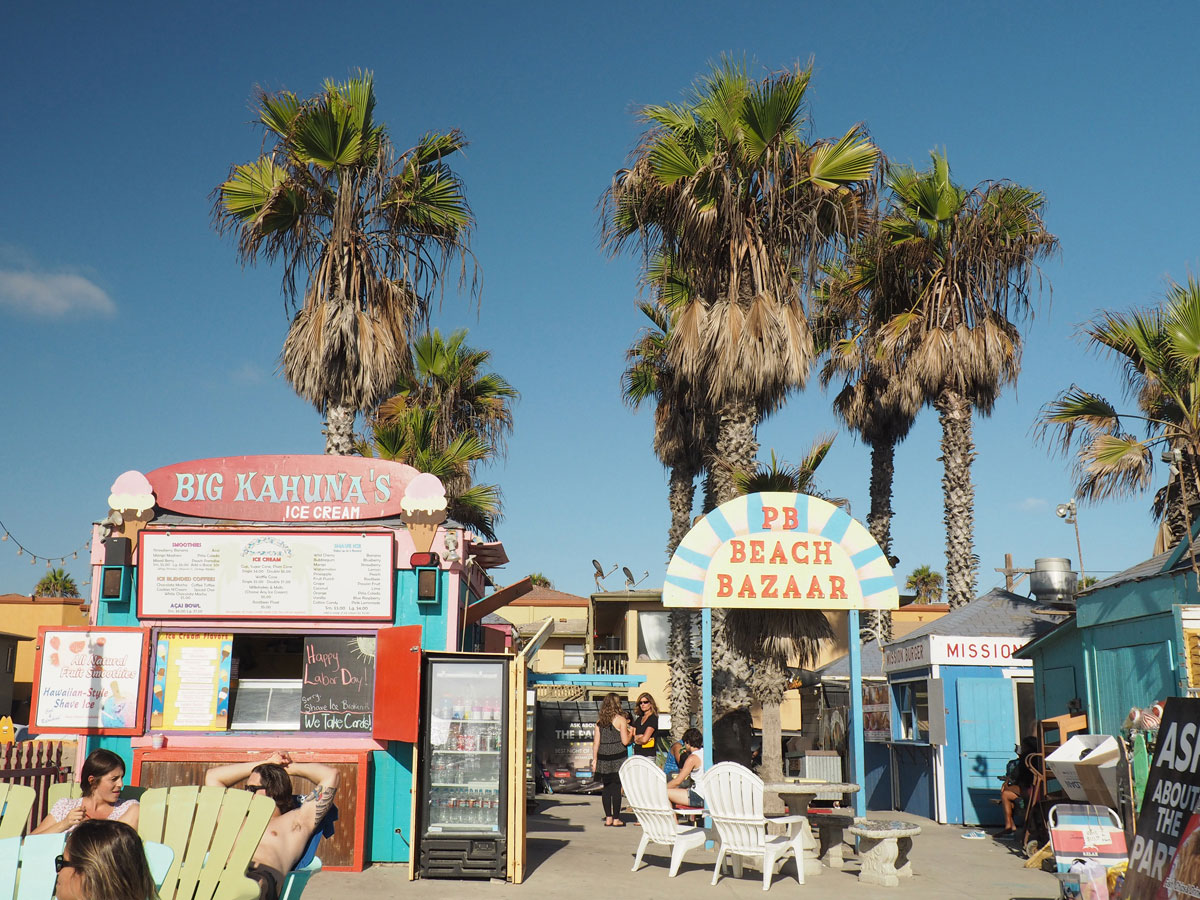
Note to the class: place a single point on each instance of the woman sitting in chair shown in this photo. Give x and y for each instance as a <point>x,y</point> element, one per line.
<point>693,767</point>
<point>102,777</point>
<point>1018,781</point>
<point>103,860</point>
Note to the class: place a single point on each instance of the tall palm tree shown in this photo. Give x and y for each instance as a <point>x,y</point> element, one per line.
<point>682,436</point>
<point>1159,352</point>
<point>958,268</point>
<point>365,236</point>
<point>776,638</point>
<point>56,583</point>
<point>730,187</point>
<point>878,400</point>
<point>926,582</point>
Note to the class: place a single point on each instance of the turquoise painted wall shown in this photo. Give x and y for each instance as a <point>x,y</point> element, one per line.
<point>1058,672</point>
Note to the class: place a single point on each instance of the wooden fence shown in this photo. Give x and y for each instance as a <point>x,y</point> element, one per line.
<point>38,764</point>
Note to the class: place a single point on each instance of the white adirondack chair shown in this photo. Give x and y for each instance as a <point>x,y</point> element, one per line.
<point>646,792</point>
<point>734,798</point>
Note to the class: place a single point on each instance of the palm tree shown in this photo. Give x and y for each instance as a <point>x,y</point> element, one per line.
<point>776,638</point>
<point>365,236</point>
<point>927,583</point>
<point>449,415</point>
<point>729,187</point>
<point>411,439</point>
<point>957,268</point>
<point>56,583</point>
<point>1159,352</point>
<point>682,438</point>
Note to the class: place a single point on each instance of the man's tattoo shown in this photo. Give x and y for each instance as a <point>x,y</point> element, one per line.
<point>324,801</point>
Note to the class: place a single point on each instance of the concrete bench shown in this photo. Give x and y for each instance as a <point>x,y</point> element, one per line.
<point>883,850</point>
<point>831,825</point>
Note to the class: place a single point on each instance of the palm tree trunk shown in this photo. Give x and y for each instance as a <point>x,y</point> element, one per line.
<point>736,447</point>
<point>879,523</point>
<point>958,452</point>
<point>768,684</point>
<point>339,430</point>
<point>680,685</point>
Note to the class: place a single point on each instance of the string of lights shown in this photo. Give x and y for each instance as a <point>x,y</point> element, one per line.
<point>22,550</point>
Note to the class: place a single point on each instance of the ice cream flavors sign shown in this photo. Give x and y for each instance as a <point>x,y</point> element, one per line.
<point>279,575</point>
<point>777,550</point>
<point>89,681</point>
<point>315,489</point>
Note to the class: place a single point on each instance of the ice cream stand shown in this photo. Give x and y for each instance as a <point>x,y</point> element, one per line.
<point>243,604</point>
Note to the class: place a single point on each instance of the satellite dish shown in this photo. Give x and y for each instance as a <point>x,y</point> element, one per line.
<point>630,584</point>
<point>600,574</point>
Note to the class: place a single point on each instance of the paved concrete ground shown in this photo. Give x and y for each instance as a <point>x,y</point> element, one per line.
<point>573,856</point>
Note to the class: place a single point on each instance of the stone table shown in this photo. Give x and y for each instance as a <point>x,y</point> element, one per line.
<point>883,850</point>
<point>798,794</point>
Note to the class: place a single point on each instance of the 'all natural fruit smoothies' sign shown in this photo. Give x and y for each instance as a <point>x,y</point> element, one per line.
<point>777,550</point>
<point>315,489</point>
<point>89,680</point>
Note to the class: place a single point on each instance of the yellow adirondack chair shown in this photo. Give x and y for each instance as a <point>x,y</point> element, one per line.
<point>63,790</point>
<point>213,832</point>
<point>16,800</point>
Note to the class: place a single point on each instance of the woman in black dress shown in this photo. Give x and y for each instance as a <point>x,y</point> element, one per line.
<point>645,726</point>
<point>611,737</point>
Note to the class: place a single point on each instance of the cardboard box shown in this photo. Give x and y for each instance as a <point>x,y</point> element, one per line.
<point>1086,768</point>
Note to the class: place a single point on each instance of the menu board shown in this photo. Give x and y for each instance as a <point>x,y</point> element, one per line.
<point>191,682</point>
<point>265,575</point>
<point>89,680</point>
<point>338,691</point>
<point>877,712</point>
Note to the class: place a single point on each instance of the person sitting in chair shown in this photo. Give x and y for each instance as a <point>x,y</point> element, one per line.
<point>292,822</point>
<point>1017,782</point>
<point>692,767</point>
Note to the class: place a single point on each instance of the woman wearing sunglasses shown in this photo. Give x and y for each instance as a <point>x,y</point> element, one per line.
<point>103,860</point>
<point>645,726</point>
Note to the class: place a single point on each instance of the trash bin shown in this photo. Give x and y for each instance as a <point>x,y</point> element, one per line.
<point>1086,768</point>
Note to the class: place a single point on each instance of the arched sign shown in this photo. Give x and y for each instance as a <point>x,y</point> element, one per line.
<point>781,551</point>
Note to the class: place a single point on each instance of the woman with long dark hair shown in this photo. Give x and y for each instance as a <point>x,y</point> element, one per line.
<point>103,860</point>
<point>645,726</point>
<point>102,777</point>
<point>611,736</point>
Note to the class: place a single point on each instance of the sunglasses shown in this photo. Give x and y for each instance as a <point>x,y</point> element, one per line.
<point>61,862</point>
<point>254,788</point>
<point>643,703</point>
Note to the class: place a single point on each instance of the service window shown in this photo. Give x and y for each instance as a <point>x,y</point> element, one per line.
<point>264,682</point>
<point>912,707</point>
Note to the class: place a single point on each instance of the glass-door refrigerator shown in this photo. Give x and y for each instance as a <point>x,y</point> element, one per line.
<point>464,778</point>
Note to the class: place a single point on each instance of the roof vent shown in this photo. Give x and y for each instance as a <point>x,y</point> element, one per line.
<point>1053,582</point>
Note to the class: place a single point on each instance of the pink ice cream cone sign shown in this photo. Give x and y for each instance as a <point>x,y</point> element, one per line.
<point>131,493</point>
<point>423,509</point>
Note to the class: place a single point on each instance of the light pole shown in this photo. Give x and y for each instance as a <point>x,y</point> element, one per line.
<point>1070,513</point>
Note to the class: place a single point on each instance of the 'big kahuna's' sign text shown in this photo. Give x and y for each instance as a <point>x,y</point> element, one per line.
<point>283,488</point>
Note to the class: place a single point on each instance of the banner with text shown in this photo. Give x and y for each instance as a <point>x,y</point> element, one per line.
<point>89,680</point>
<point>239,574</point>
<point>1168,821</point>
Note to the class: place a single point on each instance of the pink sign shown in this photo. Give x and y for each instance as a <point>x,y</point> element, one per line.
<point>314,489</point>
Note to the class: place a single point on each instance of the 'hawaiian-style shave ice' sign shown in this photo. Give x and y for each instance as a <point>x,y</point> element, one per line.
<point>779,550</point>
<point>89,680</point>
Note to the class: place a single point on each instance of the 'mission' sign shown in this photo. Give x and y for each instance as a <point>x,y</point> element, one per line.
<point>779,550</point>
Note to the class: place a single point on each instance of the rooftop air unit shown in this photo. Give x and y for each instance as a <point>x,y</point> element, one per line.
<point>1053,582</point>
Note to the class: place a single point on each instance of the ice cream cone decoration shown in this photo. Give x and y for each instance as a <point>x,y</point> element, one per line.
<point>423,509</point>
<point>131,504</point>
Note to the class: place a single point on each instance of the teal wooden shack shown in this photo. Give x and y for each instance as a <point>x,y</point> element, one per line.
<point>1132,641</point>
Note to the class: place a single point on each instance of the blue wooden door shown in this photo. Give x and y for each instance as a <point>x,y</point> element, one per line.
<point>987,730</point>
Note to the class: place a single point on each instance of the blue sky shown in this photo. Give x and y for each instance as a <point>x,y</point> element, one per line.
<point>131,338</point>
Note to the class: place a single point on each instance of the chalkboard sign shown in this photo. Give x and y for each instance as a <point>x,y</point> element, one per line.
<point>339,683</point>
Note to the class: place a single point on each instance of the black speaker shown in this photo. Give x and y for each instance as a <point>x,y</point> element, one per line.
<point>116,551</point>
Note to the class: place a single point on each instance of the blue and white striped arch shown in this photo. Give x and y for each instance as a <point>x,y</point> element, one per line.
<point>779,550</point>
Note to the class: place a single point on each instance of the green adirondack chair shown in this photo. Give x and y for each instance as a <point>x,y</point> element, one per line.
<point>16,800</point>
<point>27,866</point>
<point>201,825</point>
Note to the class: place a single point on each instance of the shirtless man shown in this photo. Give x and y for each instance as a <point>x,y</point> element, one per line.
<point>292,823</point>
